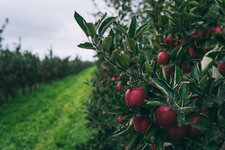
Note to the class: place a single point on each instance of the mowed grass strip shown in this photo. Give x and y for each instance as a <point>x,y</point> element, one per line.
<point>52,117</point>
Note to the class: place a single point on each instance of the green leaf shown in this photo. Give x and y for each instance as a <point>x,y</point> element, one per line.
<point>80,20</point>
<point>178,75</point>
<point>159,139</point>
<point>183,92</point>
<point>219,38</point>
<point>131,44</point>
<point>114,55</point>
<point>164,87</point>
<point>91,29</point>
<point>187,109</point>
<point>121,29</point>
<point>86,45</point>
<point>131,140</point>
<point>132,28</point>
<point>151,132</point>
<point>220,6</point>
<point>154,103</point>
<point>206,63</point>
<point>105,24</point>
<point>141,30</point>
<point>106,43</point>
<point>196,72</point>
<point>148,67</point>
<point>124,60</point>
<point>220,58</point>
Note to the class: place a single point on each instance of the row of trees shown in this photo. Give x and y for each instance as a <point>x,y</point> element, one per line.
<point>21,71</point>
<point>170,59</point>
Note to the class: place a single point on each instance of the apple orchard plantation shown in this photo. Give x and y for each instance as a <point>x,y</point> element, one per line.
<point>170,60</point>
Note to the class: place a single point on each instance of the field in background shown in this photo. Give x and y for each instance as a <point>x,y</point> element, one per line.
<point>49,118</point>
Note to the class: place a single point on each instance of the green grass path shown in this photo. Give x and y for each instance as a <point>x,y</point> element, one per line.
<point>49,118</point>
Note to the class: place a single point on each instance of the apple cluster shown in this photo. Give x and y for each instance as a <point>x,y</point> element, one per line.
<point>164,57</point>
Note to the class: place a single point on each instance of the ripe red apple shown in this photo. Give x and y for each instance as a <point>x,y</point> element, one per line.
<point>118,78</point>
<point>153,146</point>
<point>135,97</point>
<point>141,123</point>
<point>176,132</point>
<point>103,112</point>
<point>113,79</point>
<point>186,68</point>
<point>205,111</point>
<point>221,68</point>
<point>120,120</point>
<point>167,70</point>
<point>192,52</point>
<point>166,116</point>
<point>193,32</point>
<point>194,132</point>
<point>169,40</point>
<point>217,30</point>
<point>163,58</point>
<point>199,36</point>
<point>119,86</point>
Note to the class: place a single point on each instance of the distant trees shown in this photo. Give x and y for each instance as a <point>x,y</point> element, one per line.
<point>21,71</point>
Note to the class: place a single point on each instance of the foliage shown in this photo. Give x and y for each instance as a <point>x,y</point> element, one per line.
<point>192,33</point>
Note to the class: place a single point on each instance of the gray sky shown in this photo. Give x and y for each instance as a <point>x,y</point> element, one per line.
<point>42,23</point>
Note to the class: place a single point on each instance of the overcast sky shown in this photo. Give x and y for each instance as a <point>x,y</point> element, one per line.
<point>45,23</point>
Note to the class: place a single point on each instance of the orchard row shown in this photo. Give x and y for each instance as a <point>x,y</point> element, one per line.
<point>20,71</point>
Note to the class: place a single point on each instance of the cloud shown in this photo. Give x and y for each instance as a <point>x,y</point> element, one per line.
<point>42,23</point>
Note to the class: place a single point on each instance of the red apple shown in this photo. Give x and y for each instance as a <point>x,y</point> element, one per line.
<point>166,116</point>
<point>194,132</point>
<point>176,132</point>
<point>119,86</point>
<point>167,70</point>
<point>199,36</point>
<point>169,40</point>
<point>217,30</point>
<point>193,32</point>
<point>203,49</point>
<point>153,146</point>
<point>183,42</point>
<point>103,112</point>
<point>221,68</point>
<point>113,79</point>
<point>141,124</point>
<point>118,78</point>
<point>192,52</point>
<point>186,68</point>
<point>163,58</point>
<point>135,97</point>
<point>120,120</point>
<point>125,147</point>
<point>205,111</point>
<point>208,31</point>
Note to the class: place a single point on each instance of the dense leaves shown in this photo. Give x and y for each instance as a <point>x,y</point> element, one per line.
<point>175,51</point>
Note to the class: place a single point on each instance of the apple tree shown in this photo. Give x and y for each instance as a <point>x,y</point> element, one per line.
<point>171,59</point>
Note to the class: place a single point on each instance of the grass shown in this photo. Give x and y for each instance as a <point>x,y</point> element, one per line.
<point>50,118</point>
